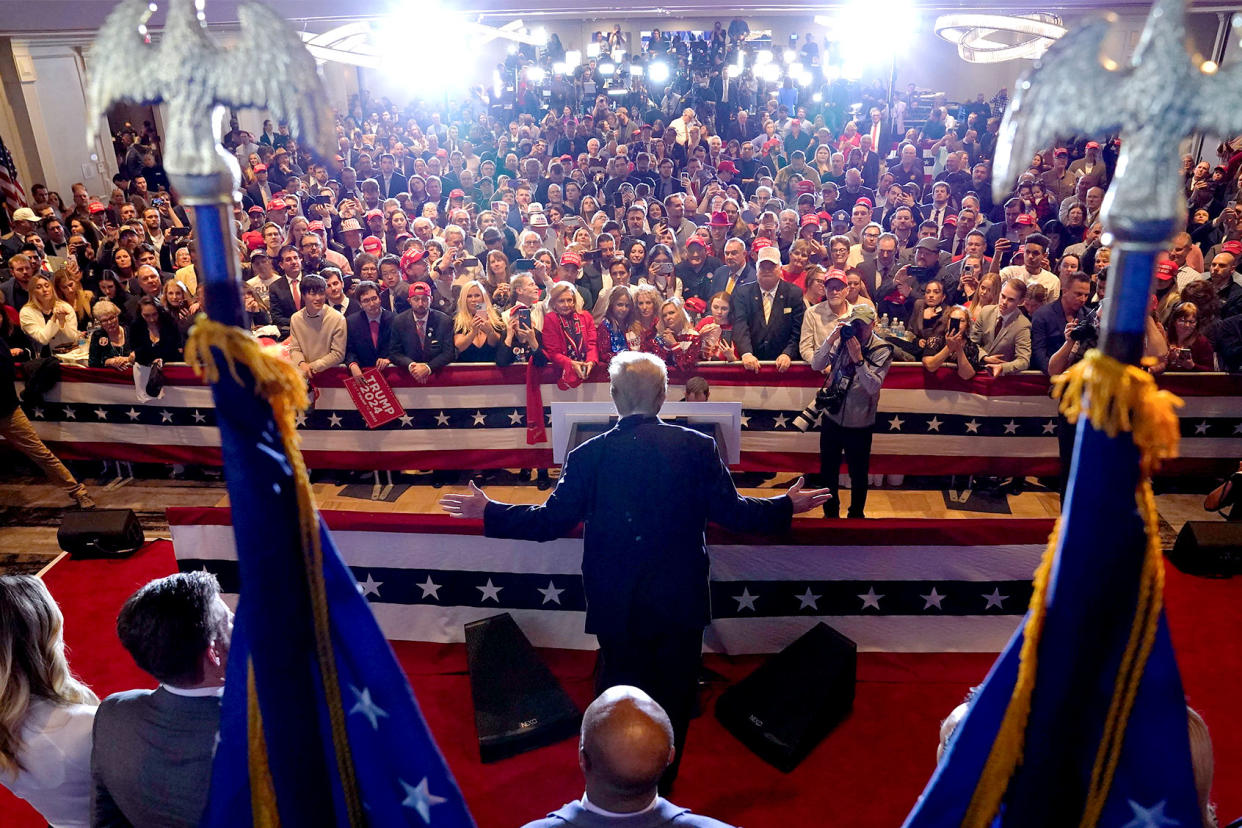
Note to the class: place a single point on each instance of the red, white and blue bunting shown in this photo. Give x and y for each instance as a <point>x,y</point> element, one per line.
<point>474,417</point>
<point>893,585</point>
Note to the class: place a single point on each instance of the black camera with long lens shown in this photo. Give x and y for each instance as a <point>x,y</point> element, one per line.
<point>852,329</point>
<point>1087,331</point>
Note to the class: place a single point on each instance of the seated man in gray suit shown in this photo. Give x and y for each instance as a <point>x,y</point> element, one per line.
<point>151,760</point>
<point>1003,333</point>
<point>626,743</point>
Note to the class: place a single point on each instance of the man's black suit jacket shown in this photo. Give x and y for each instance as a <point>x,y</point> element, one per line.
<point>720,279</point>
<point>358,346</point>
<point>781,332</point>
<point>280,303</point>
<point>644,565</point>
<point>405,348</point>
<point>396,184</point>
<point>395,301</point>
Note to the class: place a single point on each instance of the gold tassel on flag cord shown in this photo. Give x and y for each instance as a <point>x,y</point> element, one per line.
<point>1116,398</point>
<point>278,382</point>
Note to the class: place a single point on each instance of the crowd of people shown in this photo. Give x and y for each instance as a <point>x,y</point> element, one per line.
<point>713,222</point>
<point>486,233</point>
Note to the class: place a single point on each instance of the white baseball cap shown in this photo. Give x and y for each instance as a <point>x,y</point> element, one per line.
<point>769,254</point>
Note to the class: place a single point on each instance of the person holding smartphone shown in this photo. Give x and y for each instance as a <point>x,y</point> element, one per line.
<point>660,273</point>
<point>477,327</point>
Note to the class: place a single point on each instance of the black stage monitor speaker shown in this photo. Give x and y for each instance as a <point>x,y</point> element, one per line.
<point>1208,547</point>
<point>518,703</point>
<point>790,703</point>
<point>100,533</point>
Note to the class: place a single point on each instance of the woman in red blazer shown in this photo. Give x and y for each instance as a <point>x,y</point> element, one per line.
<point>569,336</point>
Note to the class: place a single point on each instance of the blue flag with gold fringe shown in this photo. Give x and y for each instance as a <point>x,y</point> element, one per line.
<point>318,724</point>
<point>1082,720</point>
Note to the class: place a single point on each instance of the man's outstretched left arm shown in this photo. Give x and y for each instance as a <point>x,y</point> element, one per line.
<point>758,515</point>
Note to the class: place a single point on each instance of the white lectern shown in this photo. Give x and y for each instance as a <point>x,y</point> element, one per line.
<point>573,423</point>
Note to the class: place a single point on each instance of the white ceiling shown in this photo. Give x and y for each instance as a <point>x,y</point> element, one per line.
<point>60,18</point>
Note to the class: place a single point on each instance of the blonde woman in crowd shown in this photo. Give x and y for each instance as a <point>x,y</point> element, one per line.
<point>477,327</point>
<point>46,714</point>
<point>50,323</point>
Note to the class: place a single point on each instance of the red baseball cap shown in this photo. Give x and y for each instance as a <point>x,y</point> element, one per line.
<point>1232,247</point>
<point>810,218</point>
<point>806,186</point>
<point>696,240</point>
<point>727,166</point>
<point>419,289</point>
<point>252,239</point>
<point>254,208</point>
<point>720,219</point>
<point>457,194</point>
<point>370,214</point>
<point>315,227</point>
<point>259,168</point>
<point>1166,270</point>
<point>1093,145</point>
<point>1024,219</point>
<point>372,245</point>
<point>570,257</point>
<point>760,243</point>
<point>96,207</point>
<point>410,257</point>
<point>866,201</point>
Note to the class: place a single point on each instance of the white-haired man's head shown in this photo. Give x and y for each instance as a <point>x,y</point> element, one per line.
<point>638,382</point>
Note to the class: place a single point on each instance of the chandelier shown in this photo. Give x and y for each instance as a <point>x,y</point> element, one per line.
<point>994,38</point>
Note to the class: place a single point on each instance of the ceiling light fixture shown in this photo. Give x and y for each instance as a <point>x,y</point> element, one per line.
<point>1026,36</point>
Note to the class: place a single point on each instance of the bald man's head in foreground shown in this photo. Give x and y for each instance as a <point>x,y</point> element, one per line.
<point>626,743</point>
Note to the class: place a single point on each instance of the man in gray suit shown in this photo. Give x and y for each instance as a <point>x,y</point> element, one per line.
<point>626,743</point>
<point>151,760</point>
<point>1003,332</point>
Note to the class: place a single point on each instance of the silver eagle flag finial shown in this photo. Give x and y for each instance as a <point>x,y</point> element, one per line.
<point>1160,98</point>
<point>1157,100</point>
<point>268,68</point>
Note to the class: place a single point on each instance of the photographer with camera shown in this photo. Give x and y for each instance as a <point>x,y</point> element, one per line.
<point>858,361</point>
<point>1061,333</point>
<point>1064,330</point>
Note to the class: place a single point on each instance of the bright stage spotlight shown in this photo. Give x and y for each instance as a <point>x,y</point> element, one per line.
<point>607,68</point>
<point>658,72</point>
<point>535,74</point>
<point>456,44</point>
<point>790,56</point>
<point>592,50</point>
<point>573,57</point>
<point>861,42</point>
<point>769,72</point>
<point>763,56</point>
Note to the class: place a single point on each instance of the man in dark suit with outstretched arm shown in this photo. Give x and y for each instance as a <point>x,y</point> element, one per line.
<point>644,559</point>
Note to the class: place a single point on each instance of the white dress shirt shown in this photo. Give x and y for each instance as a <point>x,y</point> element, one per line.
<point>56,755</point>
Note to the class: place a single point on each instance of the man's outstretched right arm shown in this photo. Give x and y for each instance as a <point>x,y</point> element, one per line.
<point>564,509</point>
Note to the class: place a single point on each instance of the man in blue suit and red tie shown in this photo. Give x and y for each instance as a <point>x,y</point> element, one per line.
<point>369,333</point>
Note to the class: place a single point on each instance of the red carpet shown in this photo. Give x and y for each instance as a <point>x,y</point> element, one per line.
<point>867,773</point>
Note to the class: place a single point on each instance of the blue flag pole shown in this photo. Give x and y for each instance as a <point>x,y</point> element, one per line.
<point>318,724</point>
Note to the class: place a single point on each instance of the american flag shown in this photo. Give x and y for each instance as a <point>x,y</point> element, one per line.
<point>14,195</point>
